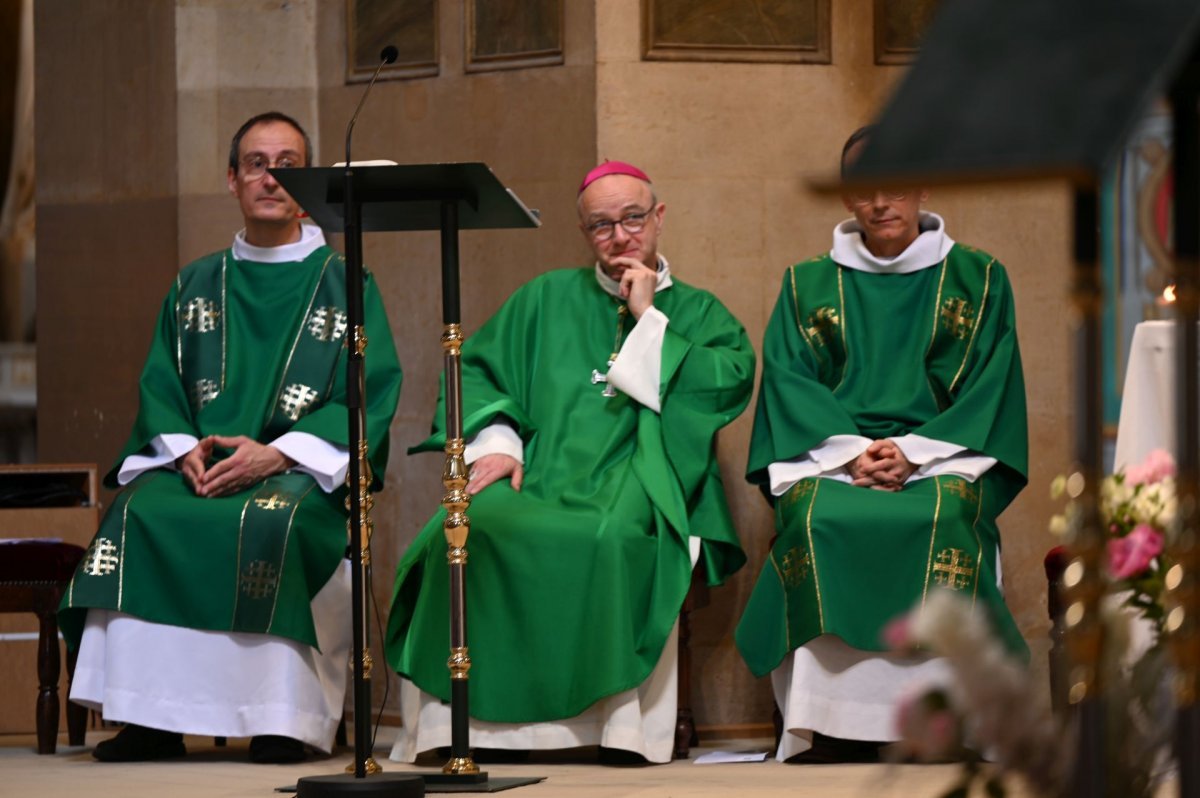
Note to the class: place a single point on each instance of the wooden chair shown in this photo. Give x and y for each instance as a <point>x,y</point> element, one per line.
<point>1055,564</point>
<point>33,576</point>
<point>685,723</point>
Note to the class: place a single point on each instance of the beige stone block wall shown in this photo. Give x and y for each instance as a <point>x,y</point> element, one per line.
<point>731,148</point>
<point>106,238</point>
<point>234,60</point>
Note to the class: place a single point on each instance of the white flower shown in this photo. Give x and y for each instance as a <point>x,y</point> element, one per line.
<point>994,693</point>
<point>1114,493</point>
<point>1145,506</point>
<point>1170,511</point>
<point>1058,486</point>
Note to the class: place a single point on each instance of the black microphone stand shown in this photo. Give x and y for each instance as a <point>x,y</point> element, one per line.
<point>359,503</point>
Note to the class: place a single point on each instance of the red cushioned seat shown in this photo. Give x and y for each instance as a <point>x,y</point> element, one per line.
<point>35,561</point>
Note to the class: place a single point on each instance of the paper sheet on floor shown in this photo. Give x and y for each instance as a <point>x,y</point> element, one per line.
<point>724,757</point>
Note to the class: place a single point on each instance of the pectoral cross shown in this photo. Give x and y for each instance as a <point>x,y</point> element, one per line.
<point>598,378</point>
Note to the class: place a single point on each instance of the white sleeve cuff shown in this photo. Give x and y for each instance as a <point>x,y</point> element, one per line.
<point>325,462</point>
<point>497,438</point>
<point>826,460</point>
<point>935,458</point>
<point>166,450</point>
<point>920,450</point>
<point>637,371</point>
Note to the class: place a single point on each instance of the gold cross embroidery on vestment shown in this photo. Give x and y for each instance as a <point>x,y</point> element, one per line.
<point>821,325</point>
<point>295,400</point>
<point>276,501</point>
<point>958,317</point>
<point>797,492</point>
<point>794,566</point>
<point>101,558</point>
<point>203,392</point>
<point>960,488</point>
<point>259,579</point>
<point>953,568</point>
<point>200,315</point>
<point>327,324</point>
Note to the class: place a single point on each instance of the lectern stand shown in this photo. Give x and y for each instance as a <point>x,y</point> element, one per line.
<point>446,197</point>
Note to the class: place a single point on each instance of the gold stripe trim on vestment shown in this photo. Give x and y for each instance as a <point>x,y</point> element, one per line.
<point>238,562</point>
<point>937,304</point>
<point>937,510</point>
<point>787,613</point>
<point>124,521</point>
<point>796,314</point>
<point>286,536</point>
<point>812,552</point>
<point>987,282</point>
<point>224,321</point>
<point>843,324</point>
<point>178,329</point>
<point>978,543</point>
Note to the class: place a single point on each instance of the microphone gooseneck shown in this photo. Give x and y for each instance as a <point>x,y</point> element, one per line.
<point>387,55</point>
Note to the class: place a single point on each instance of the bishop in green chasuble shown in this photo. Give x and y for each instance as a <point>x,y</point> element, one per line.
<point>920,351</point>
<point>241,348</point>
<point>575,581</point>
<point>600,393</point>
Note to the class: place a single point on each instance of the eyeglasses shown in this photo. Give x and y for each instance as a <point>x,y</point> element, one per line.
<point>860,198</point>
<point>630,223</point>
<point>254,166</point>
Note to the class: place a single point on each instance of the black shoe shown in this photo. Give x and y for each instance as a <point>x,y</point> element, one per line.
<point>271,749</point>
<point>836,751</point>
<point>619,756</point>
<point>140,744</point>
<point>499,756</point>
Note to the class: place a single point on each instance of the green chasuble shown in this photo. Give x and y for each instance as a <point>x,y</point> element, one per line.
<point>241,348</point>
<point>575,582</point>
<point>849,352</point>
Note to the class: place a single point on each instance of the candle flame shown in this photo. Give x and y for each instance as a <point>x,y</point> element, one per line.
<point>1168,294</point>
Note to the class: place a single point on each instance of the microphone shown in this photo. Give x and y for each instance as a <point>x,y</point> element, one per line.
<point>387,55</point>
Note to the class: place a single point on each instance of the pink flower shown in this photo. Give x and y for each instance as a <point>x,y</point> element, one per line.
<point>927,726</point>
<point>1131,555</point>
<point>898,634</point>
<point>1157,466</point>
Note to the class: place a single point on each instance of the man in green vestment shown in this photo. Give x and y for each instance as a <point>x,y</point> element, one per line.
<point>889,433</point>
<point>591,402</point>
<point>214,598</point>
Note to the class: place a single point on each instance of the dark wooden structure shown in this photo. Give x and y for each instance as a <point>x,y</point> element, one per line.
<point>33,576</point>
